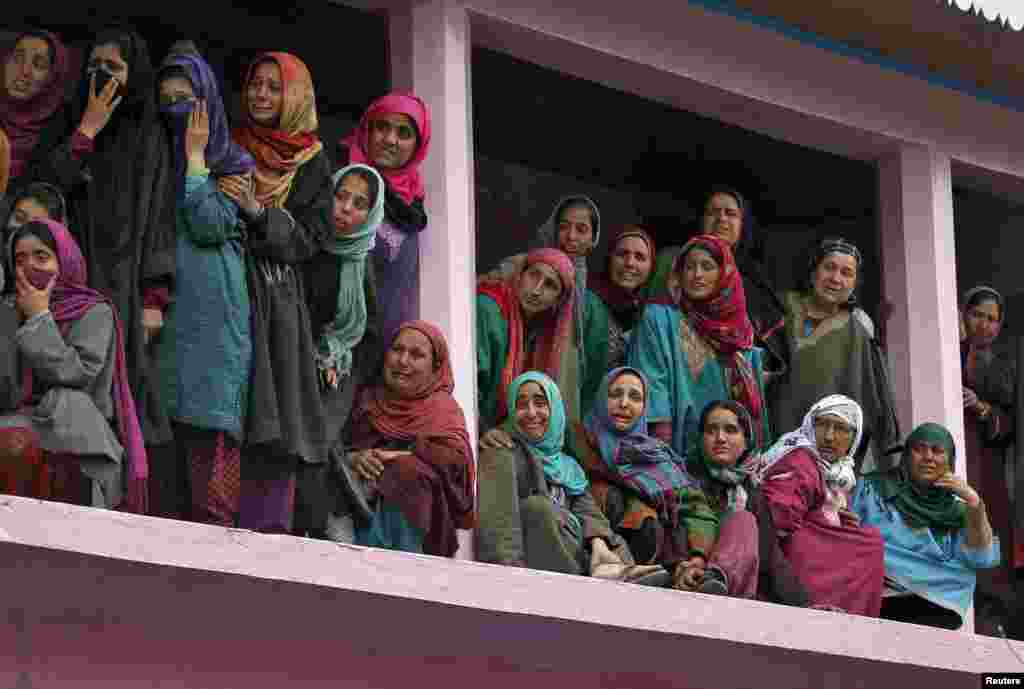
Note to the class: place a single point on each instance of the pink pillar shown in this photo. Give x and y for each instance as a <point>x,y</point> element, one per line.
<point>430,54</point>
<point>919,267</point>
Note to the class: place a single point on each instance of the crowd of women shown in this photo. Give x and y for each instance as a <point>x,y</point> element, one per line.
<point>218,323</point>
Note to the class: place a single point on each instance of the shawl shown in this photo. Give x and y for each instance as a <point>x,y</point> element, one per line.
<point>935,508</point>
<point>555,329</point>
<point>280,151</point>
<point>406,181</point>
<point>623,304</point>
<point>723,322</point>
<point>637,460</point>
<point>23,121</point>
<point>838,473</point>
<point>559,468</point>
<point>223,156</point>
<point>69,301</point>
<point>347,328</point>
<point>547,234</point>
<point>733,477</point>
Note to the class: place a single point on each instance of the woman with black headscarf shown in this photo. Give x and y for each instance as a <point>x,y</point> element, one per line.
<point>834,351</point>
<point>111,157</point>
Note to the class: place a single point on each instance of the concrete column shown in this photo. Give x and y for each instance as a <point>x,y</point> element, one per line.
<point>430,55</point>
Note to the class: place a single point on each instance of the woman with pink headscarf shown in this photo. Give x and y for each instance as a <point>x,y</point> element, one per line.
<point>393,137</point>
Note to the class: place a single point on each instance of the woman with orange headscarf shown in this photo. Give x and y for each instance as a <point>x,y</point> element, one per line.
<point>286,205</point>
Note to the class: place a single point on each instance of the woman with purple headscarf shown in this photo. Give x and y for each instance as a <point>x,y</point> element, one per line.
<point>74,402</point>
<point>206,354</point>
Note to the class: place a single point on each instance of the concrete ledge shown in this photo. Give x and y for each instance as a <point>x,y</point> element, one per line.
<point>102,599</point>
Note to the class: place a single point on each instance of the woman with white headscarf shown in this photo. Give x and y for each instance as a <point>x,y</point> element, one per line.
<point>807,477</point>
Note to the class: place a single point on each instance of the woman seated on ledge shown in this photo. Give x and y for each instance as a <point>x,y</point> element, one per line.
<point>807,477</point>
<point>74,423</point>
<point>743,558</point>
<point>535,507</point>
<point>936,531</point>
<point>409,453</point>
<point>638,481</point>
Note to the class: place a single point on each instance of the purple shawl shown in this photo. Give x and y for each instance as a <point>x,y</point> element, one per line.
<point>223,155</point>
<point>69,301</point>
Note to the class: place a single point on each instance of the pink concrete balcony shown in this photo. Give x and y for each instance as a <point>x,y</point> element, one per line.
<point>101,599</point>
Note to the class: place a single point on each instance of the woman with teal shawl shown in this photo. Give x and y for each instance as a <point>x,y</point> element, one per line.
<point>535,507</point>
<point>936,531</point>
<point>341,299</point>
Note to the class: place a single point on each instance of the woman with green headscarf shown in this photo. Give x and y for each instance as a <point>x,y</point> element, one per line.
<point>536,509</point>
<point>936,531</point>
<point>340,295</point>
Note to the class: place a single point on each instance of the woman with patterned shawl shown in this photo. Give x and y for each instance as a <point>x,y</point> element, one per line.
<point>342,310</point>
<point>393,137</point>
<point>989,382</point>
<point>35,76</point>
<point>639,482</point>
<point>698,346</point>
<point>206,354</point>
<point>112,159</point>
<point>726,214</point>
<point>524,323</point>
<point>936,531</point>
<point>408,446</point>
<point>75,404</point>
<point>286,208</point>
<point>834,350</point>
<point>621,292</point>
<point>535,507</point>
<point>806,480</point>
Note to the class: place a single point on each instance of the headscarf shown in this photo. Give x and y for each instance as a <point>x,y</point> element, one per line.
<point>223,156</point>
<point>722,321</point>
<point>548,236</point>
<point>406,181</point>
<point>624,305</point>
<point>556,328</point>
<point>983,293</point>
<point>349,324</point>
<point>24,120</point>
<point>736,476</point>
<point>930,507</point>
<point>638,460</point>
<point>281,151</point>
<point>839,473</point>
<point>836,245</point>
<point>70,300</point>
<point>559,468</point>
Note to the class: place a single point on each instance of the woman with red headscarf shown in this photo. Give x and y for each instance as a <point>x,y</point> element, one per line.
<point>524,323</point>
<point>32,91</point>
<point>286,205</point>
<point>75,428</point>
<point>393,137</point>
<point>408,450</point>
<point>696,345</point>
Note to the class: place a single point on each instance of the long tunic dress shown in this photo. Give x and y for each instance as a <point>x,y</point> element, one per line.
<point>940,567</point>
<point>285,437</point>
<point>840,357</point>
<point>659,348</point>
<point>843,565</point>
<point>993,377</point>
<point>321,282</point>
<point>524,522</point>
<point>71,408</point>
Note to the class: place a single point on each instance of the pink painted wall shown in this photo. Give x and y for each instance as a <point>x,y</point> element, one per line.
<point>99,599</point>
